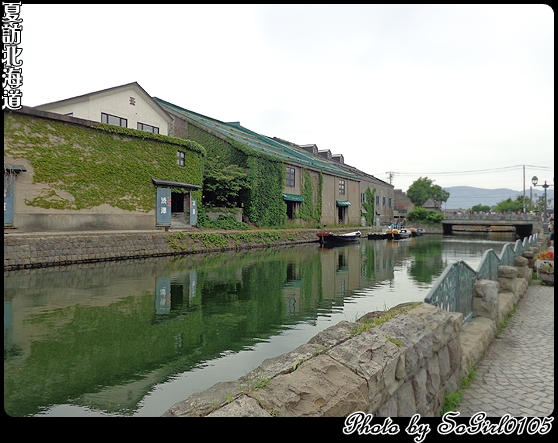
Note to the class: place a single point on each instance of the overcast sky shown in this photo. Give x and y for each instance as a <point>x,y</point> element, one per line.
<point>461,94</point>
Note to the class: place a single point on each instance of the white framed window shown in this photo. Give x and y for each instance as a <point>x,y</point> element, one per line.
<point>341,187</point>
<point>180,158</point>
<point>290,177</point>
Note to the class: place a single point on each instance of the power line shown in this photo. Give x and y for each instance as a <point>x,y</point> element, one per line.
<point>475,171</point>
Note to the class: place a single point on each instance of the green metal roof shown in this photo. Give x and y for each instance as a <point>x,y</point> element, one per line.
<point>261,143</point>
<point>293,198</point>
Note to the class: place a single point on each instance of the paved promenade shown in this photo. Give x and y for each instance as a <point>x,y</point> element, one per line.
<point>516,376</point>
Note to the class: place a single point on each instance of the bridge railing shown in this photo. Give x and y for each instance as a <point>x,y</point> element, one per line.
<point>496,216</point>
<point>453,291</point>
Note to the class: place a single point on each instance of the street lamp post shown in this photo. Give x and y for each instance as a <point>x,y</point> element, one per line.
<point>535,180</point>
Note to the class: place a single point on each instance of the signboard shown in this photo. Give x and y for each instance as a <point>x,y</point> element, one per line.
<point>193,284</point>
<point>193,213</point>
<point>163,207</point>
<point>8,200</point>
<point>162,295</point>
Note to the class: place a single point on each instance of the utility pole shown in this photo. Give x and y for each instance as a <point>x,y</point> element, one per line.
<point>390,175</point>
<point>524,189</point>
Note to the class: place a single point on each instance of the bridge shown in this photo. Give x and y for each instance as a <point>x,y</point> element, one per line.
<point>523,224</point>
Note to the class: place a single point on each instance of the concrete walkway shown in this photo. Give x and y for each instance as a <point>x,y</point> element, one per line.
<point>516,376</point>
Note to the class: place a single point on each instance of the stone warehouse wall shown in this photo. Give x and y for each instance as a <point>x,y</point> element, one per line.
<point>398,368</point>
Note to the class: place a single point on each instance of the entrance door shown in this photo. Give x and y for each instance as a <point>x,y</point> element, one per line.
<point>180,209</point>
<point>341,212</point>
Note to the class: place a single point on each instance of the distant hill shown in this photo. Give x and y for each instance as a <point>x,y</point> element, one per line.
<point>466,197</point>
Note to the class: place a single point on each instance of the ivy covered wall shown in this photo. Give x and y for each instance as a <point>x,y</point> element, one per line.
<point>103,164</point>
<point>311,191</point>
<point>368,205</point>
<point>265,179</point>
<point>266,206</point>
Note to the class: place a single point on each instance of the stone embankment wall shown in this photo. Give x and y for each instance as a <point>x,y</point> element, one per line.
<point>41,250</point>
<point>396,368</point>
<point>54,249</point>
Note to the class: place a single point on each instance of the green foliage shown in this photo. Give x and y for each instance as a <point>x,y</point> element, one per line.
<point>211,240</point>
<point>388,315</point>
<point>227,222</point>
<point>260,192</point>
<point>368,205</point>
<point>510,205</point>
<point>451,402</point>
<point>480,208</point>
<point>265,206</point>
<point>83,167</point>
<point>504,323</point>
<point>423,189</point>
<point>222,185</point>
<point>395,341</point>
<point>311,209</point>
<point>178,241</point>
<point>419,214</point>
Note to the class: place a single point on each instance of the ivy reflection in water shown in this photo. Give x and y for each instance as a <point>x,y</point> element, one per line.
<point>105,336</point>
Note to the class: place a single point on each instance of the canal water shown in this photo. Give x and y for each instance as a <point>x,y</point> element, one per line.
<point>132,338</point>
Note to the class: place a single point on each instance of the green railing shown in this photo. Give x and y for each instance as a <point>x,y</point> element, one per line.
<point>453,291</point>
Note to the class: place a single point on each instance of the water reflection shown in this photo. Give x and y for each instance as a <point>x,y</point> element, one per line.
<point>109,338</point>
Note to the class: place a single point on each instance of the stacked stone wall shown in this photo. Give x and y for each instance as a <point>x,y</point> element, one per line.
<point>399,368</point>
<point>42,250</point>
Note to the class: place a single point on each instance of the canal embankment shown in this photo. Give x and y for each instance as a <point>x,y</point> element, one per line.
<point>36,250</point>
<point>388,364</point>
<point>22,251</point>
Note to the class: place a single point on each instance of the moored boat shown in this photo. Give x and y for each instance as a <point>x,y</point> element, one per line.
<point>328,237</point>
<point>377,235</point>
<point>415,232</point>
<point>398,234</point>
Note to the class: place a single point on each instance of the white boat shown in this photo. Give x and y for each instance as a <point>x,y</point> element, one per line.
<point>398,234</point>
<point>415,232</point>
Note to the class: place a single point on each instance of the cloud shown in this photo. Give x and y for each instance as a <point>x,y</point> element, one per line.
<point>404,88</point>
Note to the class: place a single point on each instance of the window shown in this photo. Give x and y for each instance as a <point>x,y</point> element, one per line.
<point>114,120</point>
<point>390,201</point>
<point>148,128</point>
<point>377,199</point>
<point>363,198</point>
<point>384,201</point>
<point>290,177</point>
<point>181,158</point>
<point>341,187</point>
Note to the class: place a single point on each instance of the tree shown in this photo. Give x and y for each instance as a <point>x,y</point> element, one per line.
<point>423,189</point>
<point>224,186</point>
<point>422,215</point>
<point>510,205</point>
<point>480,208</point>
